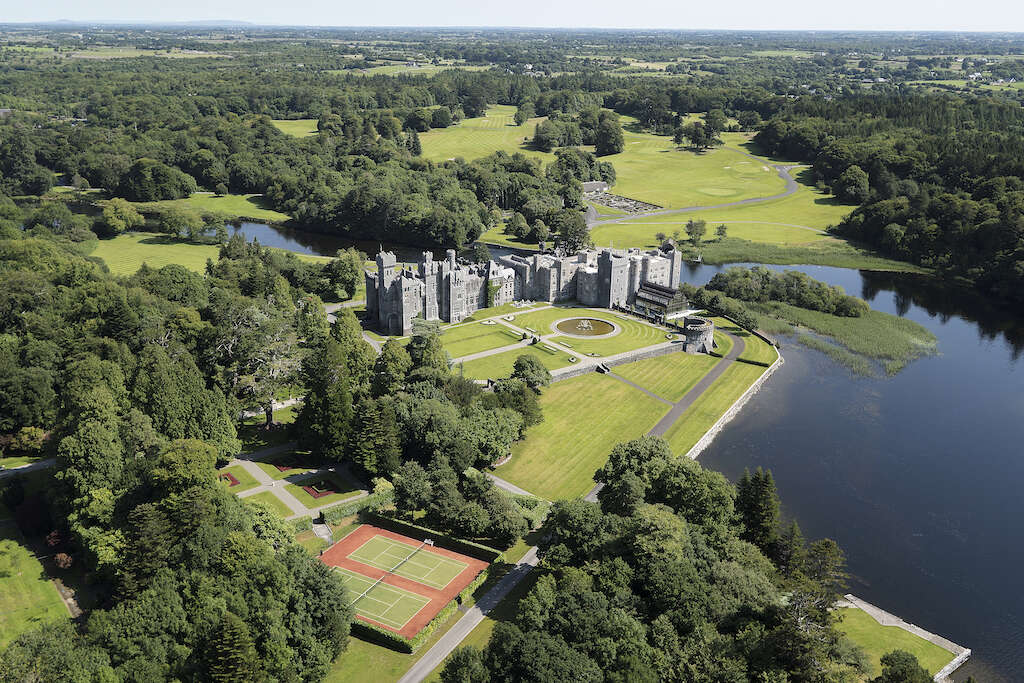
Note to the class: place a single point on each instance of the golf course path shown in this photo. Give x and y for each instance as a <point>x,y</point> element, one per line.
<point>450,640</point>
<point>782,169</point>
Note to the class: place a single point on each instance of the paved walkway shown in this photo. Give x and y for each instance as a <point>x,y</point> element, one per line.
<point>433,657</point>
<point>638,387</point>
<point>278,487</point>
<point>699,388</point>
<point>31,467</point>
<point>782,169</point>
<point>508,486</point>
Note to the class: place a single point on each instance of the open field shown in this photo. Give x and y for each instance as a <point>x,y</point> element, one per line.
<point>500,364</point>
<point>710,406</point>
<point>475,138</point>
<point>653,169</point>
<point>12,461</point>
<point>474,337</point>
<point>245,480</point>
<point>584,418</point>
<point>669,376</point>
<point>126,253</point>
<point>270,500</point>
<point>228,206</point>
<point>340,487</point>
<point>831,252</point>
<point>878,640</point>
<point>299,128</point>
<point>27,596</point>
<point>406,69</point>
<point>799,218</point>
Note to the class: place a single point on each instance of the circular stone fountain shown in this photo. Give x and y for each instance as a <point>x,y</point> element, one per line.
<point>585,327</point>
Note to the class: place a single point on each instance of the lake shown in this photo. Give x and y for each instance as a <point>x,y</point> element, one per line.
<point>918,476</point>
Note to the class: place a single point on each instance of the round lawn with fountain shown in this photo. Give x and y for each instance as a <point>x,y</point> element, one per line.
<point>584,418</point>
<point>585,327</point>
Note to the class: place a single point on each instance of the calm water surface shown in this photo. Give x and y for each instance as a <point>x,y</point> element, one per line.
<point>919,477</point>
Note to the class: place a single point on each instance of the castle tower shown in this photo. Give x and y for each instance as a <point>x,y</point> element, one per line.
<point>612,274</point>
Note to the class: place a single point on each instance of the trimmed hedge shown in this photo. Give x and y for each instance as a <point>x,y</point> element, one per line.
<point>302,524</point>
<point>475,550</point>
<point>333,515</point>
<point>533,509</point>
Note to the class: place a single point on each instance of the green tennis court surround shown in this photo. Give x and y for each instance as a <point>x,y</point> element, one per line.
<point>422,566</point>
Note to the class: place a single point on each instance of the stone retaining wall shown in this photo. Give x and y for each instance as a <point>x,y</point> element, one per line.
<point>710,435</point>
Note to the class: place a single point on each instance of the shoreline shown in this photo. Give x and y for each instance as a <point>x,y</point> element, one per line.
<point>960,653</point>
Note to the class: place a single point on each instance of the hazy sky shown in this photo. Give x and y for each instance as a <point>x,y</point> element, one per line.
<point>979,15</point>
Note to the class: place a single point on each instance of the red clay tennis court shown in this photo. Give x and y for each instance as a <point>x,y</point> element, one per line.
<point>416,580</point>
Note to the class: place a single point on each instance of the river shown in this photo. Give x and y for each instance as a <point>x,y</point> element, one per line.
<point>918,476</point>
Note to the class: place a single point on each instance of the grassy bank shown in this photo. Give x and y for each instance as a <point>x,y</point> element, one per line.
<point>829,252</point>
<point>228,207</point>
<point>878,640</point>
<point>28,597</point>
<point>711,405</point>
<point>125,254</point>
<point>887,339</point>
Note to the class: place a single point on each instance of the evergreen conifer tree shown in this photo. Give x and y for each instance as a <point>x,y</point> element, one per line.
<point>232,653</point>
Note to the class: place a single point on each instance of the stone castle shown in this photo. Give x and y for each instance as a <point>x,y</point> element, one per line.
<point>451,291</point>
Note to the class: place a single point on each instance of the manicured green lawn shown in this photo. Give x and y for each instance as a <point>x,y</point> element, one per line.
<point>584,418</point>
<point>475,337</point>
<point>245,480</point>
<point>652,169</point>
<point>340,484</point>
<point>126,253</point>
<point>606,210</point>
<point>754,348</point>
<point>270,500</point>
<point>500,364</point>
<point>633,334</point>
<point>229,206</point>
<point>669,376</point>
<point>300,461</point>
<point>299,128</point>
<point>878,640</point>
<point>800,218</point>
<point>311,542</point>
<point>28,597</point>
<point>497,236</point>
<point>711,405</point>
<point>475,138</point>
<point>12,461</point>
<point>504,309</point>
